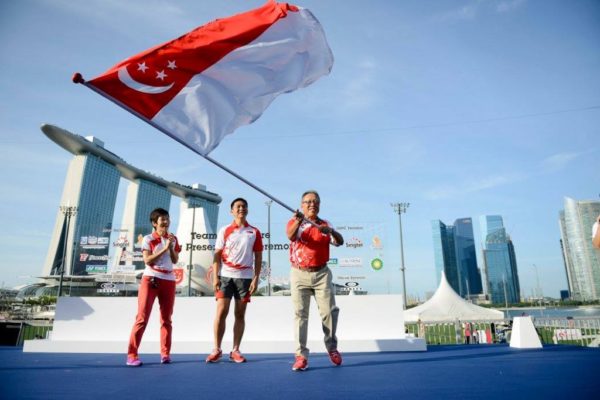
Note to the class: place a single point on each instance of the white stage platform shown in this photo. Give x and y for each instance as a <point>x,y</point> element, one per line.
<point>369,323</point>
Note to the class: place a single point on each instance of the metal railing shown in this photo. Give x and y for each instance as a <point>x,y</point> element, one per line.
<point>569,331</point>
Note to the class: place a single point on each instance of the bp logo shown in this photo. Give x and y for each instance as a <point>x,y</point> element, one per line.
<point>376,264</point>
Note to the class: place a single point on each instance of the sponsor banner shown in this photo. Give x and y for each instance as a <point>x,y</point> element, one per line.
<point>568,334</point>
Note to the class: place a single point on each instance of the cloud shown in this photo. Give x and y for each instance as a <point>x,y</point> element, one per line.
<point>475,8</point>
<point>113,13</point>
<point>473,186</point>
<point>359,93</point>
<point>508,6</point>
<point>550,164</point>
<point>559,161</point>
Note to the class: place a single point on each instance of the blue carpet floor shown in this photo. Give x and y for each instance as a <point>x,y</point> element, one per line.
<point>443,372</point>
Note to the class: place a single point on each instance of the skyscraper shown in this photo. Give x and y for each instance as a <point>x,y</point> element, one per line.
<point>91,185</point>
<point>454,252</point>
<point>500,262</point>
<point>582,261</point>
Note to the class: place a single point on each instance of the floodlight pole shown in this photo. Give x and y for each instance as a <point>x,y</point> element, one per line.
<point>400,208</point>
<point>190,265</point>
<point>268,203</point>
<point>68,212</point>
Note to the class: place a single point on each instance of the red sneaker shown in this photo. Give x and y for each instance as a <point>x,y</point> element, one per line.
<point>165,360</point>
<point>301,364</point>
<point>214,356</point>
<point>335,357</point>
<point>237,357</point>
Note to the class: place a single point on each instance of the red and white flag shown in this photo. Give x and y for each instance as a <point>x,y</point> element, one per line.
<point>205,84</point>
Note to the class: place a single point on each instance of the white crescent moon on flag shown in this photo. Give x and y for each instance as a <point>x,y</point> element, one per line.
<point>131,83</point>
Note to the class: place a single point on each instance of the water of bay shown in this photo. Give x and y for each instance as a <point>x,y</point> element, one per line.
<point>555,312</point>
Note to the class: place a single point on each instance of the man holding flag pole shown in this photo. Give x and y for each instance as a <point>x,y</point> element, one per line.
<point>202,86</point>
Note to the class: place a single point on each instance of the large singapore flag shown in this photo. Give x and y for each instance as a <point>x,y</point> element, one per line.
<point>205,84</point>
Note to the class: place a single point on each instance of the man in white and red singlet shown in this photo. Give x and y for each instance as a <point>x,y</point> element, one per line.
<point>236,270</point>
<point>310,238</point>
<point>160,251</point>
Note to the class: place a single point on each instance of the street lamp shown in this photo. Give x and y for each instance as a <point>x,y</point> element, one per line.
<point>268,203</point>
<point>68,212</point>
<point>400,208</point>
<point>539,293</point>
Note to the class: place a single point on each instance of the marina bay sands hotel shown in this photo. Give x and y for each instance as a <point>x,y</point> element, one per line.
<point>94,250</point>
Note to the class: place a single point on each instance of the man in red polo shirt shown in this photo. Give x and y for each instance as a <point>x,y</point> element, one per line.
<point>161,251</point>
<point>236,269</point>
<point>310,276</point>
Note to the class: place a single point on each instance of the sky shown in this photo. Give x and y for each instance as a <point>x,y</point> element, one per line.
<point>462,108</point>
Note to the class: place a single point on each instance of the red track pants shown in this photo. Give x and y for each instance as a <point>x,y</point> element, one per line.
<point>166,300</point>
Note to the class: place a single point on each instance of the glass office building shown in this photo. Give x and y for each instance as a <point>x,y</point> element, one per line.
<point>500,263</point>
<point>454,253</point>
<point>582,261</point>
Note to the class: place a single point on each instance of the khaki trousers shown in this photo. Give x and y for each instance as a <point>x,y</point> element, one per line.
<point>303,285</point>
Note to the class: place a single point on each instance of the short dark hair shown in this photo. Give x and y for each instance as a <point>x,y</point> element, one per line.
<point>156,213</point>
<point>311,192</point>
<point>238,199</point>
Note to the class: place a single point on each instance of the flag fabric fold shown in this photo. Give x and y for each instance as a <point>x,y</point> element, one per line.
<point>202,86</point>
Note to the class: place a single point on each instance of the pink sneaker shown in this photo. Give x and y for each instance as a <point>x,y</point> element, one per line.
<point>214,356</point>
<point>301,364</point>
<point>237,357</point>
<point>335,357</point>
<point>134,362</point>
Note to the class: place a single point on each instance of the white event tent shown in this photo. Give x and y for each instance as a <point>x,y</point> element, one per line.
<point>446,306</point>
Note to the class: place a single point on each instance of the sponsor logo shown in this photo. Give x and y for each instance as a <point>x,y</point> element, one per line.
<point>332,262</point>
<point>351,262</point>
<point>103,240</point>
<point>178,275</point>
<point>376,243</point>
<point>97,258</point>
<point>349,286</point>
<point>122,241</point>
<point>93,246</point>
<point>108,287</point>
<point>123,268</point>
<point>92,240</point>
<point>96,268</point>
<point>354,243</point>
<point>83,240</point>
<point>83,257</point>
<point>376,264</point>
